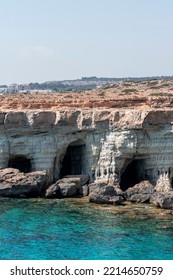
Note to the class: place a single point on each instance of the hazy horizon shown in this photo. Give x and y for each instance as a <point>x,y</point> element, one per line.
<point>64,40</point>
<point>80,78</point>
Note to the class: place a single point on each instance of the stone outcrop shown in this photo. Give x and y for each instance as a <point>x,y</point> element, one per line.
<point>162,199</point>
<point>163,195</point>
<point>163,185</point>
<point>140,193</point>
<point>104,194</point>
<point>121,134</point>
<point>14,183</point>
<point>100,144</point>
<point>69,186</point>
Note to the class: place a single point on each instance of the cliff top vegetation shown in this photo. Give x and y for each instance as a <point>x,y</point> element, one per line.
<point>146,94</point>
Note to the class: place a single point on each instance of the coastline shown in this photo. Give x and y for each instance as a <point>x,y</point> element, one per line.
<point>127,209</point>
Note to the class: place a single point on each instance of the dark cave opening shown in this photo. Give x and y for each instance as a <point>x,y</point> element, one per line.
<point>73,160</point>
<point>20,162</point>
<point>131,175</point>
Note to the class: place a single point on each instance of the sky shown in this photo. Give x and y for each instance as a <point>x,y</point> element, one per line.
<point>48,40</point>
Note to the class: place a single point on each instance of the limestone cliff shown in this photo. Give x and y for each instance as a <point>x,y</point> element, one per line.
<point>121,133</point>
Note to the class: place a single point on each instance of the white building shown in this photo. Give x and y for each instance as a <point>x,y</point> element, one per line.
<point>13,88</point>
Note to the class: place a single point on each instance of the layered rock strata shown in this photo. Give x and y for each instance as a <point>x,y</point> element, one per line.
<point>101,144</point>
<point>123,141</point>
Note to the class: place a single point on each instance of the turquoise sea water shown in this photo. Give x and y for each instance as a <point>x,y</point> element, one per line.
<point>63,230</point>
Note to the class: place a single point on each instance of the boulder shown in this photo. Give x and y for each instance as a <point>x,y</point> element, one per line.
<point>163,200</point>
<point>68,186</point>
<point>79,180</point>
<point>68,189</point>
<point>14,183</point>
<point>41,178</point>
<point>140,193</point>
<point>104,194</point>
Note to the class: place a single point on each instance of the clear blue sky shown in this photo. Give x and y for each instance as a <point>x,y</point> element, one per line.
<point>45,40</point>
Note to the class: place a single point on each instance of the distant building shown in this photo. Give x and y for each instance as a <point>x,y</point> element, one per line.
<point>13,88</point>
<point>3,90</point>
<point>24,87</point>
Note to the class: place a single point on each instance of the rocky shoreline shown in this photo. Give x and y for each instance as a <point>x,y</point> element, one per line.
<point>119,139</point>
<point>16,184</point>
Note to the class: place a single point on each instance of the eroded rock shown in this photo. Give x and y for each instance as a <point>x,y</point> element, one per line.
<point>52,191</point>
<point>67,189</point>
<point>101,193</point>
<point>140,193</point>
<point>68,186</point>
<point>14,183</point>
<point>163,200</point>
<point>163,184</point>
<point>107,133</point>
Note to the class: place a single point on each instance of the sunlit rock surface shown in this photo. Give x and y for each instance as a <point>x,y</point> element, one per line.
<point>14,183</point>
<point>119,134</point>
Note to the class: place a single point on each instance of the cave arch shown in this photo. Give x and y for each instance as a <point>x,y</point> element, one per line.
<point>20,162</point>
<point>74,159</point>
<point>132,174</point>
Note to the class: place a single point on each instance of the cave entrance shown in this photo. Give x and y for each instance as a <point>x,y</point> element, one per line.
<point>20,162</point>
<point>73,161</point>
<point>132,175</point>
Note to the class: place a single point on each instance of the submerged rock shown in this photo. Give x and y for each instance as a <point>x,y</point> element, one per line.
<point>14,183</point>
<point>101,193</point>
<point>140,193</point>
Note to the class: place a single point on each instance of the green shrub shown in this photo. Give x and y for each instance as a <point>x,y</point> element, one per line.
<point>128,90</point>
<point>161,94</point>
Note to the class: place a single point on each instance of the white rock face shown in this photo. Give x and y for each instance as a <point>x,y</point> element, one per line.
<point>101,144</point>
<point>150,143</point>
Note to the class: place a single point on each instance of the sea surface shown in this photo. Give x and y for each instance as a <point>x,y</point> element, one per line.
<point>38,229</point>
